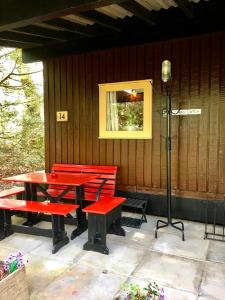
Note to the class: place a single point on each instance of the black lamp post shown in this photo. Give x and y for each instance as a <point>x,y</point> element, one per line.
<point>166,78</point>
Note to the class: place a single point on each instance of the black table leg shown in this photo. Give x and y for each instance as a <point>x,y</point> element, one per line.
<point>82,224</point>
<point>31,194</point>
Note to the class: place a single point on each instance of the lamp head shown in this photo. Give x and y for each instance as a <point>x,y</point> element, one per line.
<point>166,70</point>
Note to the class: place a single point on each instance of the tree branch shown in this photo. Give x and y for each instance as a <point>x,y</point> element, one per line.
<point>14,104</point>
<point>6,54</point>
<point>8,76</point>
<point>23,74</point>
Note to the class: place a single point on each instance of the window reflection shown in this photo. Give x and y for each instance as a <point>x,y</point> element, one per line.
<point>124,110</point>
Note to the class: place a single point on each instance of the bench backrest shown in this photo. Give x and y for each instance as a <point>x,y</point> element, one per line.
<point>107,173</point>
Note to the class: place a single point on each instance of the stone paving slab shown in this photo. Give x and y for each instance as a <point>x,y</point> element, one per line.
<point>175,272</point>
<point>42,271</point>
<point>213,282</point>
<point>68,253</point>
<point>23,242</point>
<point>5,251</point>
<point>216,252</point>
<point>134,238</point>
<point>82,282</point>
<point>172,244</point>
<point>122,260</point>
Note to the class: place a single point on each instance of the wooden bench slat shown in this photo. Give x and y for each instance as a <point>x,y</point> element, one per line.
<point>96,186</point>
<point>39,207</point>
<point>83,167</point>
<point>103,191</point>
<point>104,205</point>
<point>88,185</point>
<point>84,170</point>
<point>71,195</point>
<point>100,175</point>
<point>11,192</point>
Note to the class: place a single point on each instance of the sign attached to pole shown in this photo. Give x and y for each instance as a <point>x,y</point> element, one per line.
<point>62,116</point>
<point>185,112</point>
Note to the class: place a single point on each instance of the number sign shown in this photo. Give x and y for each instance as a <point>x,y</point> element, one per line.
<point>62,116</point>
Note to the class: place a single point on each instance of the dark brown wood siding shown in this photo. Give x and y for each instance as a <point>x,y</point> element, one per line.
<point>198,145</point>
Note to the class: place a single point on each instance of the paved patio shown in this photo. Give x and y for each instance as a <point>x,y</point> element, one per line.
<point>194,269</point>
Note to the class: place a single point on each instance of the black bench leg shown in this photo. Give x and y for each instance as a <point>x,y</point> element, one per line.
<point>114,219</point>
<point>82,224</point>
<point>116,228</point>
<point>2,225</point>
<point>5,224</point>
<point>96,234</point>
<point>60,237</point>
<point>143,218</point>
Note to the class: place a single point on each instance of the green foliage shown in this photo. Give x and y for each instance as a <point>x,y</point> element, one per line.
<point>21,124</point>
<point>135,292</point>
<point>130,114</point>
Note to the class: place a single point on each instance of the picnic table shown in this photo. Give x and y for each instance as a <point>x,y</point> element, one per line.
<point>39,181</point>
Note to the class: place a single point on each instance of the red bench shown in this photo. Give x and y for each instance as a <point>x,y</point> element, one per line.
<point>105,213</point>
<point>57,210</point>
<point>104,185</point>
<point>104,216</point>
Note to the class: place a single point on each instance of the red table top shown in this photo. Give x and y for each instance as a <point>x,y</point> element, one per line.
<point>52,178</point>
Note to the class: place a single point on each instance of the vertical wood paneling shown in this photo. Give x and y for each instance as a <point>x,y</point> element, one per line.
<point>70,107</point>
<point>76,112</point>
<point>214,115</point>
<point>117,71</point>
<point>132,159</point>
<point>149,71</point>
<point>109,78</point>
<point>176,59</point>
<point>124,143</point>
<point>88,112</point>
<point>193,120</point>
<point>204,117</point>
<point>58,131</point>
<point>140,73</point>
<point>52,123</point>
<point>64,106</point>
<point>102,79</point>
<point>221,158</point>
<point>156,118</point>
<point>46,115</point>
<point>198,144</point>
<point>183,121</point>
<point>95,111</point>
<point>82,109</point>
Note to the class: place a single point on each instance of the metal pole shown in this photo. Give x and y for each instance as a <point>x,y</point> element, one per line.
<point>161,223</point>
<point>168,153</point>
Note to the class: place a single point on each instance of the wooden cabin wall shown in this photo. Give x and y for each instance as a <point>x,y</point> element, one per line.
<point>198,144</point>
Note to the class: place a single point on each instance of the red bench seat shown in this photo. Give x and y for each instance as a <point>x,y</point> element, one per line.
<point>104,206</point>
<point>57,211</point>
<point>38,207</point>
<point>11,192</point>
